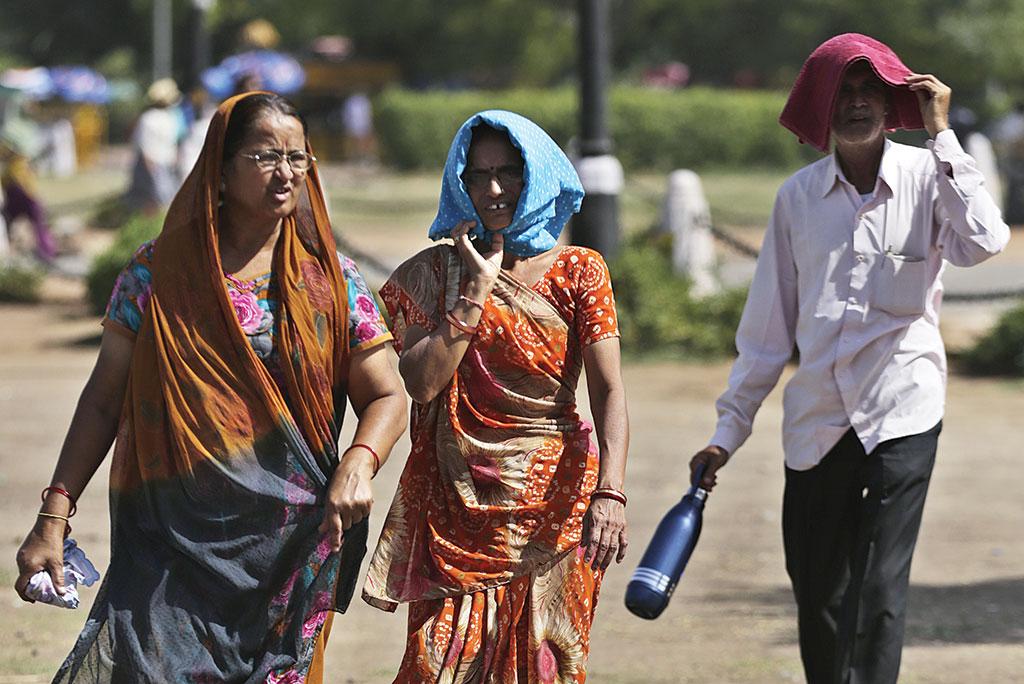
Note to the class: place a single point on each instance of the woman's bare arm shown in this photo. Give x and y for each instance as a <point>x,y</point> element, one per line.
<point>379,403</point>
<point>88,440</point>
<point>429,359</point>
<point>604,535</point>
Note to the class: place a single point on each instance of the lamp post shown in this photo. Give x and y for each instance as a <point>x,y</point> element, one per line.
<point>200,39</point>
<point>161,39</point>
<point>597,224</point>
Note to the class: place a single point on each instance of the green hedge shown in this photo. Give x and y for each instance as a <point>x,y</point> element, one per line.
<point>1001,350</point>
<point>19,283</point>
<point>696,128</point>
<point>108,264</point>
<point>657,315</point>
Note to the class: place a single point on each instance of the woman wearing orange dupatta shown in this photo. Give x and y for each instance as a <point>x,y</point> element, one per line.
<point>506,515</point>
<point>230,346</point>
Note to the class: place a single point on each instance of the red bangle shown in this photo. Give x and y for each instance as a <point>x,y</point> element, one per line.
<point>58,490</point>
<point>376,458</point>
<point>609,493</point>
<point>460,325</point>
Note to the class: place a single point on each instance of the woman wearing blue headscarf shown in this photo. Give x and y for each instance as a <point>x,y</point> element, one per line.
<point>506,514</point>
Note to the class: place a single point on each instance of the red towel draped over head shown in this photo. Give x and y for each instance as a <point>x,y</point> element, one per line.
<point>808,111</point>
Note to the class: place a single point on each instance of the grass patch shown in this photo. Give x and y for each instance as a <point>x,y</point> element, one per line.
<point>1001,350</point>
<point>19,284</point>
<point>108,264</point>
<point>658,316</point>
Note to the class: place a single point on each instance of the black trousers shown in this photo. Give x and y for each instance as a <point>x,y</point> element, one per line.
<point>849,526</point>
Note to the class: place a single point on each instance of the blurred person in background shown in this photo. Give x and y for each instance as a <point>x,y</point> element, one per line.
<point>231,345</point>
<point>248,82</point>
<point>201,114</point>
<point>21,198</point>
<point>357,120</point>
<point>849,276</point>
<point>1008,139</point>
<point>155,179</point>
<point>59,156</point>
<point>506,514</point>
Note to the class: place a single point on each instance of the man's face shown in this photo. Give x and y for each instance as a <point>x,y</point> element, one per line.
<point>861,105</point>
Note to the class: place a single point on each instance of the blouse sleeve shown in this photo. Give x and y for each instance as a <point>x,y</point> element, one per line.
<point>366,326</point>
<point>596,318</point>
<point>414,293</point>
<point>131,294</point>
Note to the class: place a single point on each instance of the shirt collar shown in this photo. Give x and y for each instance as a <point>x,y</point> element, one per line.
<point>834,172</point>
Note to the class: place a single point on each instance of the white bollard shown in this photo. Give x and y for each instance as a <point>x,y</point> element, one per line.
<point>688,217</point>
<point>980,147</point>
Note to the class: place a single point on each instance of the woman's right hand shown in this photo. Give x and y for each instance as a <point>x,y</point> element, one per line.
<point>483,267</point>
<point>43,549</point>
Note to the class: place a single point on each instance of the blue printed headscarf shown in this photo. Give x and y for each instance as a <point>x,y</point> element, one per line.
<point>551,194</point>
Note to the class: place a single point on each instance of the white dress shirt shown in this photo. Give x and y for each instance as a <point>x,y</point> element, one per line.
<point>856,287</point>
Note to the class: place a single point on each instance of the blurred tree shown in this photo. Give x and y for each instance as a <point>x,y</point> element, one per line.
<point>479,42</point>
<point>47,32</point>
<point>986,35</point>
<point>296,27</point>
<point>503,43</point>
<point>721,38</point>
<point>92,32</point>
<point>473,42</point>
<point>763,42</point>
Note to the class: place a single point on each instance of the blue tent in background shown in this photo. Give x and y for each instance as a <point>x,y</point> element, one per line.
<point>274,71</point>
<point>79,84</point>
<point>69,83</point>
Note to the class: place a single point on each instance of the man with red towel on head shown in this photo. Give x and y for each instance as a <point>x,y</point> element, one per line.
<point>849,275</point>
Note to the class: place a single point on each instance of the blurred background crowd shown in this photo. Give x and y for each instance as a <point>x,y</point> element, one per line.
<point>123,89</point>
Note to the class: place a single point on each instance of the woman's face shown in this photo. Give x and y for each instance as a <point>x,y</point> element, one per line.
<point>494,179</point>
<point>271,193</point>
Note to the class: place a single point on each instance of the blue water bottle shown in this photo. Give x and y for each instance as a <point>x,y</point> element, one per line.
<point>655,578</point>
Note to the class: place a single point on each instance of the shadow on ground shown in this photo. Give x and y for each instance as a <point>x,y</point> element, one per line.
<point>84,341</point>
<point>990,612</point>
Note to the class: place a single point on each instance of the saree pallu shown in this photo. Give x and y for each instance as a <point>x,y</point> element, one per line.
<point>483,535</point>
<point>217,570</point>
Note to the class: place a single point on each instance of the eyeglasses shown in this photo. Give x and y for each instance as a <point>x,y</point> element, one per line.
<point>480,178</point>
<point>268,160</point>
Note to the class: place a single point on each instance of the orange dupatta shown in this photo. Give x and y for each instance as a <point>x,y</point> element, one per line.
<point>217,569</point>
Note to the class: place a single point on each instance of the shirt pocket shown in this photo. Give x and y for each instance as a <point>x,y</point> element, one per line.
<point>901,284</point>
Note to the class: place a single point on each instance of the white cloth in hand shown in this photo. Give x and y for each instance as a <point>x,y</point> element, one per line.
<point>78,569</point>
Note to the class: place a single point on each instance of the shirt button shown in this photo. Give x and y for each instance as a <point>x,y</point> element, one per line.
<point>860,257</point>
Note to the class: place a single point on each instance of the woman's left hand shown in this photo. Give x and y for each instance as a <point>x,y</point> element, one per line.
<point>349,496</point>
<point>604,533</point>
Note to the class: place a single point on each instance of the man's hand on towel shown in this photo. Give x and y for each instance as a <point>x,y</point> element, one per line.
<point>933,96</point>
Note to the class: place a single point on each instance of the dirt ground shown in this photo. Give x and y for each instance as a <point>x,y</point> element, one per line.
<point>731,620</point>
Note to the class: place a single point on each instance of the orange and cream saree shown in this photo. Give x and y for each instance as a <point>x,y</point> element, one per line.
<point>483,536</point>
